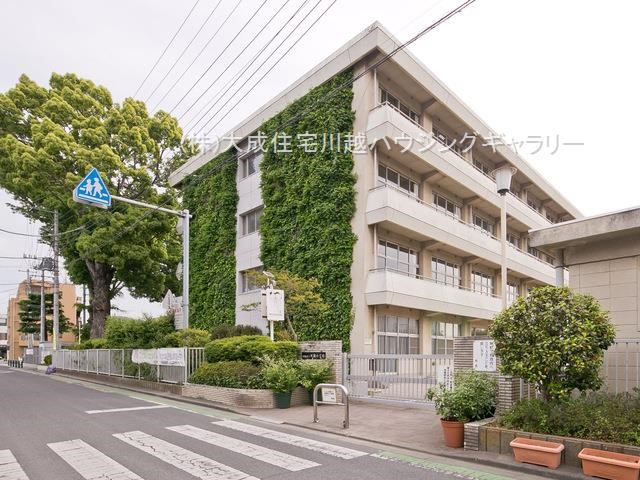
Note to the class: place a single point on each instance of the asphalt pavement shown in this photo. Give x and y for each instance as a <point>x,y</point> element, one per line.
<point>55,428</point>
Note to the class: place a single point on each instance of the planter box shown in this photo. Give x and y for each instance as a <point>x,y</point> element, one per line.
<point>239,397</point>
<point>612,465</point>
<point>538,452</point>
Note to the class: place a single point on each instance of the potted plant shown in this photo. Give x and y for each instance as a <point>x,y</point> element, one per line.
<point>312,373</point>
<point>473,397</point>
<point>282,377</point>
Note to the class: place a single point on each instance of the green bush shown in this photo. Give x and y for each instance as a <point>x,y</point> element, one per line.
<point>280,375</point>
<point>472,398</point>
<point>129,333</point>
<point>233,374</point>
<point>48,359</point>
<point>598,416</point>
<point>313,372</point>
<point>250,349</point>
<point>94,343</point>
<point>189,337</point>
<point>225,331</point>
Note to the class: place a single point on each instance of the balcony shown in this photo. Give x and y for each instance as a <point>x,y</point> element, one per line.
<point>385,122</point>
<point>399,211</point>
<point>389,287</point>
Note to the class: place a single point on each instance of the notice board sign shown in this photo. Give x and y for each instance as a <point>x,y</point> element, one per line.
<point>313,355</point>
<point>484,356</point>
<point>329,395</point>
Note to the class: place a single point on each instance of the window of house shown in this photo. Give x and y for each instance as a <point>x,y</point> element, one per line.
<point>248,281</point>
<point>398,334</point>
<point>251,221</point>
<point>446,140</point>
<point>446,205</point>
<point>396,257</point>
<point>386,97</point>
<point>482,283</point>
<point>512,292</point>
<point>388,175</point>
<point>513,239</point>
<point>249,164</point>
<point>442,335</point>
<point>445,272</point>
<point>483,223</point>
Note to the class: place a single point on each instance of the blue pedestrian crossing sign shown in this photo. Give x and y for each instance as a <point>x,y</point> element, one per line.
<point>92,191</point>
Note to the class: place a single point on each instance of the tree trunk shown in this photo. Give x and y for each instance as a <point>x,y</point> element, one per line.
<point>101,276</point>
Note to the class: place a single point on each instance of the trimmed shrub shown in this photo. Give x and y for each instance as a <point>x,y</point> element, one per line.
<point>94,343</point>
<point>472,398</point>
<point>280,375</point>
<point>189,337</point>
<point>225,331</point>
<point>228,374</point>
<point>47,359</point>
<point>129,333</point>
<point>250,349</point>
<point>313,372</point>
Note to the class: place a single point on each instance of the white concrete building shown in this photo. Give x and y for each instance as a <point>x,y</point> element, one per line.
<point>426,265</point>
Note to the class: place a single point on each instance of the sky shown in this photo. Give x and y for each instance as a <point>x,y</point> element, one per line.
<point>563,71</point>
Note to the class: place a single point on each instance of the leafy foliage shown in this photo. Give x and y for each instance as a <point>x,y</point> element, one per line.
<point>210,194</point>
<point>234,374</point>
<point>309,203</point>
<point>130,333</point>
<point>50,138</point>
<point>48,360</point>
<point>29,313</point>
<point>225,331</point>
<point>250,349</point>
<point>280,374</point>
<point>472,398</point>
<point>598,416</point>
<point>313,372</point>
<point>189,337</point>
<point>554,338</point>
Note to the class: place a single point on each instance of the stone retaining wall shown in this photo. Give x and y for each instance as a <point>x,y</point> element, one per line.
<point>238,397</point>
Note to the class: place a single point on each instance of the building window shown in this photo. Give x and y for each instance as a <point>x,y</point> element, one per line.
<point>398,335</point>
<point>251,221</point>
<point>392,256</point>
<point>248,281</point>
<point>386,97</point>
<point>512,292</point>
<point>483,224</point>
<point>513,239</point>
<point>449,142</point>
<point>445,272</point>
<point>483,167</point>
<point>446,205</point>
<point>533,202</point>
<point>442,335</point>
<point>534,251</point>
<point>249,164</point>
<point>388,175</point>
<point>482,283</point>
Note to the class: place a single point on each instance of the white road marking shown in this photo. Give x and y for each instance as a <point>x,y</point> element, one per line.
<point>326,448</point>
<point>274,457</point>
<point>129,409</point>
<point>90,463</point>
<point>187,461</point>
<point>10,469</point>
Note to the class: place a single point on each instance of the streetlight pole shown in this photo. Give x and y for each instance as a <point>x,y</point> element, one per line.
<point>56,283</point>
<point>503,176</point>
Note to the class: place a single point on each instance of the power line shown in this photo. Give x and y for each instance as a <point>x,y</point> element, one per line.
<point>198,55</point>
<point>167,47</point>
<point>184,51</point>
<point>18,233</point>
<point>253,38</point>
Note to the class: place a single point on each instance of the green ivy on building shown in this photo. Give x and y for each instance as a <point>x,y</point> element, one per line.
<point>211,196</point>
<point>309,202</point>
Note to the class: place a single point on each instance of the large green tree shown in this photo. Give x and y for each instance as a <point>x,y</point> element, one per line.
<point>554,338</point>
<point>50,138</point>
<point>29,313</point>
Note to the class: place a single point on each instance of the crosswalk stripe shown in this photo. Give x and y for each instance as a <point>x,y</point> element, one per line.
<point>274,457</point>
<point>10,469</point>
<point>326,448</point>
<point>127,409</point>
<point>187,461</point>
<point>90,463</point>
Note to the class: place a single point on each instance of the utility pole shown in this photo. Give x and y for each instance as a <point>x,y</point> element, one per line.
<point>56,284</point>
<point>42,312</point>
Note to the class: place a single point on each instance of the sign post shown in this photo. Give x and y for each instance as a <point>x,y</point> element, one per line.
<point>93,191</point>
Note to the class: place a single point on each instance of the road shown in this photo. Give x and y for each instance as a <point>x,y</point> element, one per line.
<point>58,428</point>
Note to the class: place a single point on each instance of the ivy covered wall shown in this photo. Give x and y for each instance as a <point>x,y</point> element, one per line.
<point>211,196</point>
<point>309,203</point>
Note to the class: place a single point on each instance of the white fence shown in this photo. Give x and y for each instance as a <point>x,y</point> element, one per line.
<point>395,377</point>
<point>169,365</point>
<point>621,368</point>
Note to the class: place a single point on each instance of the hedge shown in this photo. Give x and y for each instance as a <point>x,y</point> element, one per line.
<point>234,374</point>
<point>249,348</point>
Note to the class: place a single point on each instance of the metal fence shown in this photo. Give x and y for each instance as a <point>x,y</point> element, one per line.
<point>395,377</point>
<point>621,368</point>
<point>120,363</point>
<point>32,358</point>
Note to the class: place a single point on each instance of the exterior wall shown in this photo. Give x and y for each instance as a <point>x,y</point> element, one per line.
<point>333,351</point>
<point>240,397</point>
